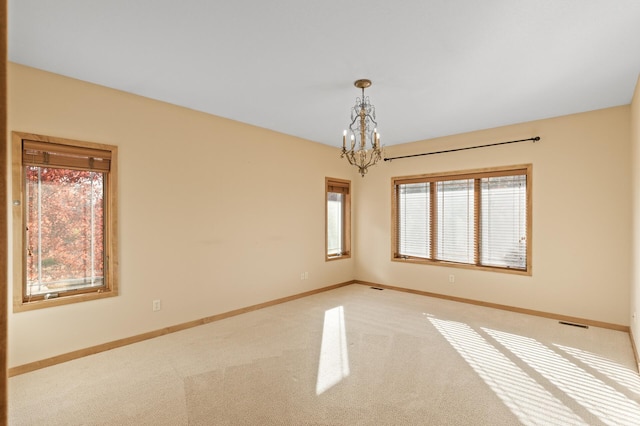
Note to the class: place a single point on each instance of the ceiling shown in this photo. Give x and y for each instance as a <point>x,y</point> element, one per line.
<point>438,67</point>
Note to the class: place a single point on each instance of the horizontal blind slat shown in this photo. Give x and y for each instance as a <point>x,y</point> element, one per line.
<point>338,189</point>
<point>41,160</point>
<point>338,186</point>
<point>65,149</point>
<point>63,156</point>
<point>470,175</point>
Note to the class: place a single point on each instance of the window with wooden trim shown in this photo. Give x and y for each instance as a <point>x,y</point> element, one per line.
<point>64,201</point>
<point>338,218</point>
<point>474,219</point>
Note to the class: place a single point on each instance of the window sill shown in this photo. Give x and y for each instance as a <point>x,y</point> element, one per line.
<point>19,306</point>
<point>338,257</point>
<point>525,272</point>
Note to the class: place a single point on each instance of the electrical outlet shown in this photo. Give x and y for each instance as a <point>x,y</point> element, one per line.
<point>156,305</point>
<point>452,278</point>
<point>306,275</point>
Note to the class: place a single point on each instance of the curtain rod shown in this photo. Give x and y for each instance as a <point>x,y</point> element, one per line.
<point>534,140</point>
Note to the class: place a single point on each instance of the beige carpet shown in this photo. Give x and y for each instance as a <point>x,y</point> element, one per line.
<point>351,356</point>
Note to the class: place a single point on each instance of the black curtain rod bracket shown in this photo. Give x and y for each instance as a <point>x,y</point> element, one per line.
<point>534,140</point>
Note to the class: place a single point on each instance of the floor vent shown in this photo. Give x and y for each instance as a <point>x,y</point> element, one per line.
<point>573,324</point>
<point>376,288</point>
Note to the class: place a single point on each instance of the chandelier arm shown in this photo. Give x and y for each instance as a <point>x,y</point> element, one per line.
<point>353,122</point>
<point>371,160</point>
<point>372,120</point>
<point>368,116</point>
<point>350,158</point>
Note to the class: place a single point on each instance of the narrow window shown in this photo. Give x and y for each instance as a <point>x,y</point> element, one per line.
<point>455,219</point>
<point>504,221</point>
<point>64,198</point>
<point>414,211</point>
<point>338,218</point>
<point>479,219</point>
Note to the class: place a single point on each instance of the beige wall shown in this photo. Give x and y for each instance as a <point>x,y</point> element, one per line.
<point>581,216</point>
<point>635,162</point>
<point>214,215</point>
<point>208,226</point>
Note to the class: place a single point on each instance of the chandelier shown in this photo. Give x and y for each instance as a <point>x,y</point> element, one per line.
<point>364,139</point>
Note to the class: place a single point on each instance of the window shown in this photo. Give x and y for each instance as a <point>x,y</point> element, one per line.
<point>338,218</point>
<point>479,219</point>
<point>64,225</point>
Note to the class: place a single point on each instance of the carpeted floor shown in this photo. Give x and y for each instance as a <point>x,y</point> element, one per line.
<point>351,356</point>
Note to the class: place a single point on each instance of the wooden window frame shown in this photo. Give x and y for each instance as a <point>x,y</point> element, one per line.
<point>110,289</point>
<point>477,174</point>
<point>342,186</point>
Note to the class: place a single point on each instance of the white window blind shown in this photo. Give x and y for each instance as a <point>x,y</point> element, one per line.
<point>414,217</point>
<point>455,220</point>
<point>335,207</point>
<point>504,221</point>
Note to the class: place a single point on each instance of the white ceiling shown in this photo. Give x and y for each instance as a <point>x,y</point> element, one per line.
<point>438,67</point>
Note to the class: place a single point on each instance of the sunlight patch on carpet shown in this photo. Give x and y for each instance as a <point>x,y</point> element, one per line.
<point>333,365</point>
<point>609,405</point>
<point>616,372</point>
<point>526,398</point>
